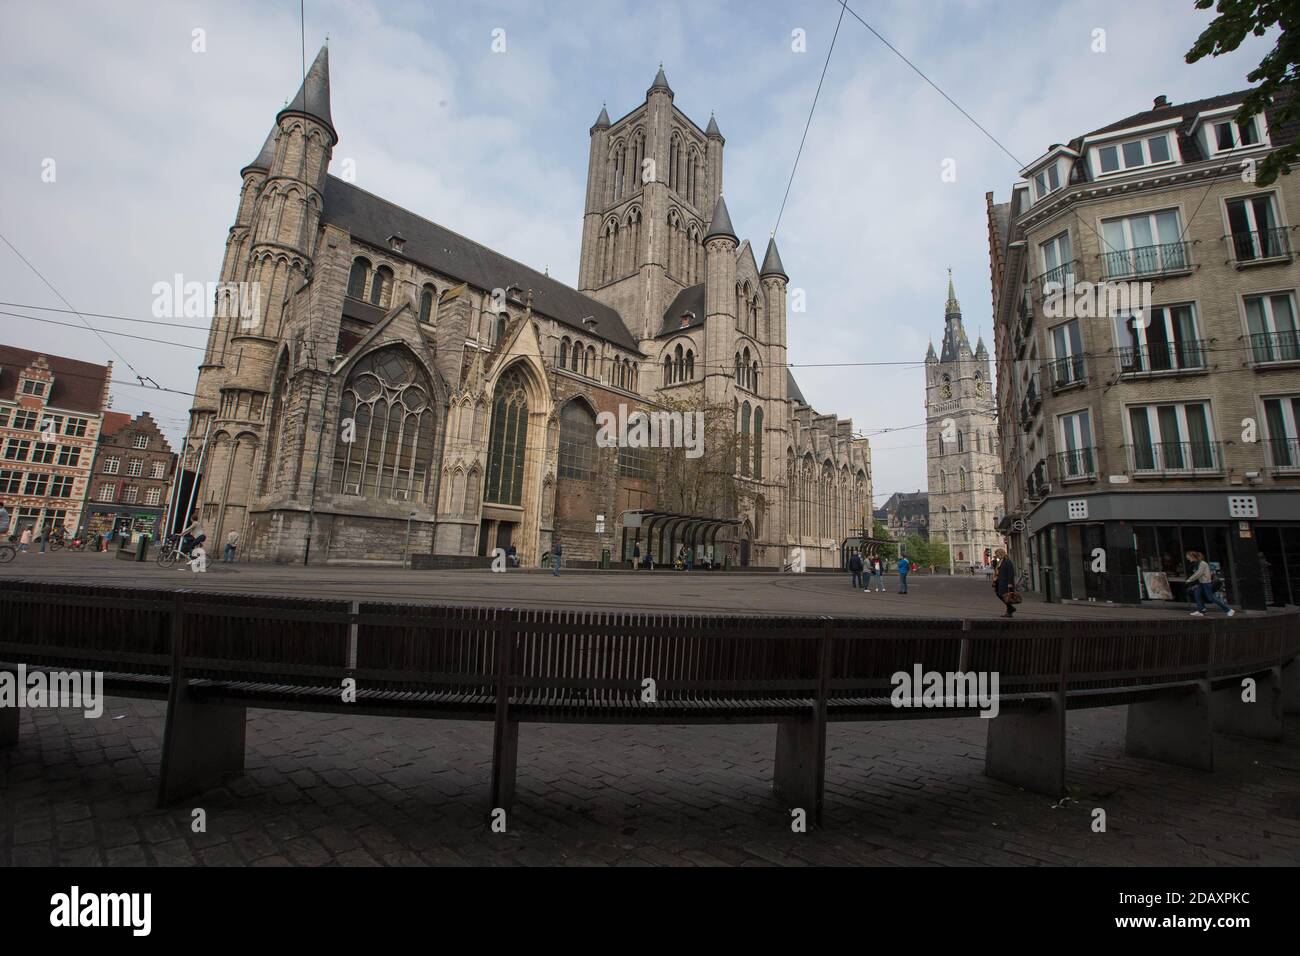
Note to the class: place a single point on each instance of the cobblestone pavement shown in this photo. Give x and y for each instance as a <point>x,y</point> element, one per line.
<point>370,790</point>
<point>677,592</point>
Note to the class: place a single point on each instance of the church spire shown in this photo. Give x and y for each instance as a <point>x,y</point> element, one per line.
<point>313,97</point>
<point>954,336</point>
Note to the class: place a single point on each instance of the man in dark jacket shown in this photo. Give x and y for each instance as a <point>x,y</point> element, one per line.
<point>1005,581</point>
<point>855,568</point>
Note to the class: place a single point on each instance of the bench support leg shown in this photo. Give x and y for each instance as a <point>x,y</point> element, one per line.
<point>1173,730</point>
<point>1291,686</point>
<point>1027,748</point>
<point>1261,718</point>
<point>800,775</point>
<point>201,743</point>
<point>505,756</point>
<point>9,716</point>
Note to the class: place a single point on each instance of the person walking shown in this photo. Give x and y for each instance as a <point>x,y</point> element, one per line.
<point>636,555</point>
<point>232,544</point>
<point>855,571</point>
<point>1005,581</point>
<point>904,568</point>
<point>557,556</point>
<point>4,519</point>
<point>25,539</point>
<point>878,567</point>
<point>1201,582</point>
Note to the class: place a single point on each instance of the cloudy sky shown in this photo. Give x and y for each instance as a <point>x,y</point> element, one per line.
<point>147,137</point>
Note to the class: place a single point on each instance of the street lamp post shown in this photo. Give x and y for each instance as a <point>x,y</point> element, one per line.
<point>315,474</point>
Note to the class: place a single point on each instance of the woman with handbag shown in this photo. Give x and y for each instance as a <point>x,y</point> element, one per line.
<point>1004,585</point>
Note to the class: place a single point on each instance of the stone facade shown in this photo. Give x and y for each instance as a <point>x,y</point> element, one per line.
<point>1137,430</point>
<point>402,389</point>
<point>965,499</point>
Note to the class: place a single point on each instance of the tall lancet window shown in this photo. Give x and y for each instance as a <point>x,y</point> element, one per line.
<point>384,446</point>
<point>505,477</point>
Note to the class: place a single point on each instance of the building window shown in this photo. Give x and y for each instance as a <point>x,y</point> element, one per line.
<point>382,286</point>
<point>140,441</point>
<point>4,416</point>
<point>634,462</point>
<point>76,428</point>
<point>1067,352</point>
<point>43,453</point>
<point>509,441</point>
<point>357,278</point>
<point>564,352</point>
<point>1143,245</point>
<point>1135,153</point>
<point>157,469</point>
<point>1230,134</point>
<point>1282,420</point>
<point>1074,435</point>
<point>744,440</point>
<point>577,441</point>
<point>152,496</point>
<point>69,456</point>
<point>388,397</point>
<point>106,492</point>
<point>10,482</point>
<point>1166,341</point>
<point>51,424</point>
<point>112,464</point>
<point>36,484</point>
<point>1254,229</point>
<point>130,494</point>
<point>134,468</point>
<point>61,486</point>
<point>33,388</point>
<point>1274,331</point>
<point>16,449</point>
<point>1175,437</point>
<point>758,442</point>
<point>426,303</point>
<point>25,420</point>
<point>1047,181</point>
<point>1058,265</point>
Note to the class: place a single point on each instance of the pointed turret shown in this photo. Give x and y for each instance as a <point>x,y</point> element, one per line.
<point>980,350</point>
<point>954,336</point>
<point>313,97</point>
<point>602,121</point>
<point>929,354</point>
<point>660,83</point>
<point>265,157</point>
<point>712,128</point>
<point>720,224</point>
<point>772,262</point>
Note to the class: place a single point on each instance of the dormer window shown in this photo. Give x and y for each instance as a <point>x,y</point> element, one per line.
<point>31,387</point>
<point>686,318</point>
<point>1134,154</point>
<point>396,241</point>
<point>1047,181</point>
<point>1230,134</point>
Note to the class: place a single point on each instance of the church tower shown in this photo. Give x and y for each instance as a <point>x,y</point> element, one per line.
<point>653,180</point>
<point>965,497</point>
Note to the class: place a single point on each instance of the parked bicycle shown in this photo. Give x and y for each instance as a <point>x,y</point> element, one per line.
<point>7,551</point>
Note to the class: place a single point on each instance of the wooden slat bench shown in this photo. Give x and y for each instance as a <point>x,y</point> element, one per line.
<point>213,655</point>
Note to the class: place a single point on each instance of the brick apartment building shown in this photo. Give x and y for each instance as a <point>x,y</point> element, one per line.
<point>1135,432</point>
<point>51,409</point>
<point>130,488</point>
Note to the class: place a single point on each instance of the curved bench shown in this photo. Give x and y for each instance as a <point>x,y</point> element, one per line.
<point>210,656</point>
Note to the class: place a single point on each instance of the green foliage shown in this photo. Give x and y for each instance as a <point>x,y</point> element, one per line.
<point>887,552</point>
<point>1278,74</point>
<point>925,552</point>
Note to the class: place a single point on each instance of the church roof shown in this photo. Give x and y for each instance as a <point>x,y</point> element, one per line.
<point>602,121</point>
<point>712,128</point>
<point>313,96</point>
<point>267,155</point>
<point>772,262</point>
<point>792,389</point>
<point>720,224</point>
<point>690,299</point>
<point>660,83</point>
<point>372,219</point>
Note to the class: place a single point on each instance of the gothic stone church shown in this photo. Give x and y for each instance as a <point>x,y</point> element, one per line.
<point>400,378</point>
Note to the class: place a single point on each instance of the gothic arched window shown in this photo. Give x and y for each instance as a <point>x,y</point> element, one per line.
<point>679,364</point>
<point>501,328</point>
<point>357,277</point>
<point>758,442</point>
<point>577,440</point>
<point>382,286</point>
<point>690,365</point>
<point>668,370</point>
<point>564,352</point>
<point>505,476</point>
<point>384,448</point>
<point>744,439</point>
<point>426,303</point>
<point>577,356</point>
<point>961,443</point>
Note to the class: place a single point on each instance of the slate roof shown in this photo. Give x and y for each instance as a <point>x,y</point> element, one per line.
<point>372,219</point>
<point>792,389</point>
<point>78,386</point>
<point>690,299</point>
<point>313,96</point>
